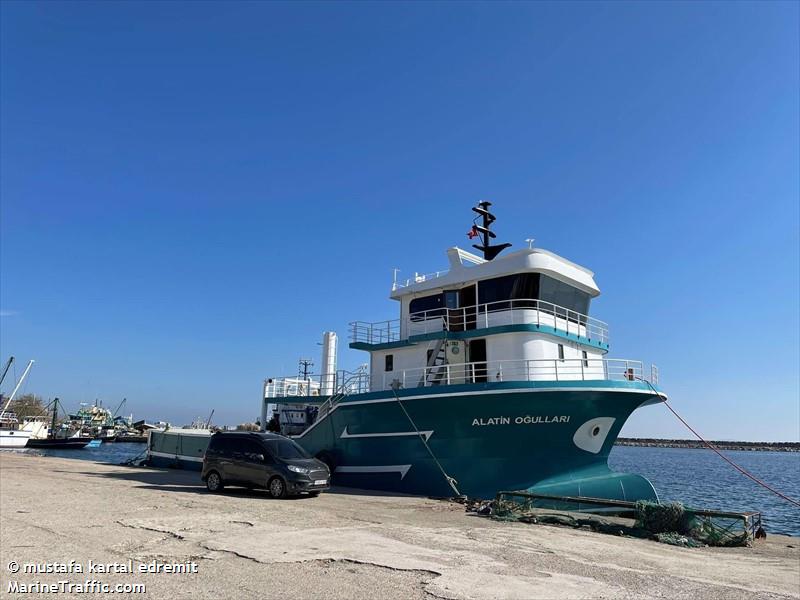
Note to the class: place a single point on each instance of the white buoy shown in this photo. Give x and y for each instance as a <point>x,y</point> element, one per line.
<point>328,376</point>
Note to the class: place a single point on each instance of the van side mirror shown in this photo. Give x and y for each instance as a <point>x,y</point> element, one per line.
<point>260,458</point>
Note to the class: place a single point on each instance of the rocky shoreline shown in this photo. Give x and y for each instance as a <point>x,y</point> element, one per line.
<point>722,445</point>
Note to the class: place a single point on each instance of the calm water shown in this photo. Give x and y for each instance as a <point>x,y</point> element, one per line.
<point>695,477</point>
<point>702,479</point>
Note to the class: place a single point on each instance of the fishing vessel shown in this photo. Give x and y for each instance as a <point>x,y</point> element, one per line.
<point>494,377</point>
<point>11,435</point>
<point>63,442</point>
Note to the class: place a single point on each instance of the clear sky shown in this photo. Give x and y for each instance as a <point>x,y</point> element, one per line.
<point>192,193</point>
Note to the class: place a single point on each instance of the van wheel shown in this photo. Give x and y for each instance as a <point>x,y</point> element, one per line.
<point>214,482</point>
<point>277,487</point>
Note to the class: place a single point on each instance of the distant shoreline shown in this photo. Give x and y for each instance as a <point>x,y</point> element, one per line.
<point>697,444</point>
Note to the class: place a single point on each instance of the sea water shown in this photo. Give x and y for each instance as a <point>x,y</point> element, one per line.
<point>698,478</point>
<point>701,479</point>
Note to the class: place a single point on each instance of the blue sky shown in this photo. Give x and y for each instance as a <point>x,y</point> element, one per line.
<point>192,193</point>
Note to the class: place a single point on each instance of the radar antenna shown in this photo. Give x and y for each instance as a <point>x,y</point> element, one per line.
<point>483,233</point>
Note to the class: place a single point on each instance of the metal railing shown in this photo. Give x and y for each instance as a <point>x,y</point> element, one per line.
<point>343,382</point>
<point>418,278</point>
<point>538,369</point>
<point>482,316</point>
<point>375,333</point>
<point>577,369</point>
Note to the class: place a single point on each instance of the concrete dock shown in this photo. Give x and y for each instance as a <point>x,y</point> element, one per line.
<point>343,544</point>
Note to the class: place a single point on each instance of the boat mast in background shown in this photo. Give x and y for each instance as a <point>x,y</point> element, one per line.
<point>19,383</point>
<point>8,364</point>
<point>10,434</point>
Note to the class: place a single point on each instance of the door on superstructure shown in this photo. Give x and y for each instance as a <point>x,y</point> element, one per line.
<point>455,320</point>
<point>467,300</point>
<point>477,361</point>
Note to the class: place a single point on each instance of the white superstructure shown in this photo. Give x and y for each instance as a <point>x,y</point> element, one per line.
<point>523,316</point>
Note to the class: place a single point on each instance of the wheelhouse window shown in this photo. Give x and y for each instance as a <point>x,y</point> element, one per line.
<point>523,286</point>
<point>531,286</point>
<point>563,294</point>
<point>430,306</point>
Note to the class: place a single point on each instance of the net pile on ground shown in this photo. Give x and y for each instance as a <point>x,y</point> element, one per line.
<point>670,523</point>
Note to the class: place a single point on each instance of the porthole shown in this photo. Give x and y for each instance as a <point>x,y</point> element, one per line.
<point>596,431</point>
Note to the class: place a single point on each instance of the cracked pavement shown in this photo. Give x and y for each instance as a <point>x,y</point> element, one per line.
<point>343,544</point>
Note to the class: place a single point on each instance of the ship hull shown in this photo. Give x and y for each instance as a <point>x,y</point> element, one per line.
<point>60,443</point>
<point>552,437</point>
<point>14,438</point>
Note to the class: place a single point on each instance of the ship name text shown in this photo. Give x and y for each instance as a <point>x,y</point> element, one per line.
<point>520,420</point>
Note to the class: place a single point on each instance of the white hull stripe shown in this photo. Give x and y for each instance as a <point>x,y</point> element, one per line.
<point>14,438</point>
<point>402,469</point>
<point>478,393</point>
<point>504,391</point>
<point>175,456</point>
<point>424,434</point>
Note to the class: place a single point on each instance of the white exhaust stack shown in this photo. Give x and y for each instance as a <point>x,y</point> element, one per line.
<point>328,377</point>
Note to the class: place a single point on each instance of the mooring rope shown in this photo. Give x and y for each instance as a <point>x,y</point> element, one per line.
<point>129,462</point>
<point>451,481</point>
<point>711,446</point>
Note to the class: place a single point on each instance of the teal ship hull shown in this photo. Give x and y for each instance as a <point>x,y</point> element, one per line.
<point>547,437</point>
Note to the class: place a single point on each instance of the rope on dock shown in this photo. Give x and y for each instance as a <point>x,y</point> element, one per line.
<point>131,462</point>
<point>711,446</point>
<point>450,480</point>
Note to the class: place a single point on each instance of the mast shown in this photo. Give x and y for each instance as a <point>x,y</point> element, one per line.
<point>484,233</point>
<point>304,371</point>
<point>19,383</point>
<point>8,364</point>
<point>121,404</point>
<point>55,416</point>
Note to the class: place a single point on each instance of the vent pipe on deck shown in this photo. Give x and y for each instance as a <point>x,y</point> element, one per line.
<point>328,377</point>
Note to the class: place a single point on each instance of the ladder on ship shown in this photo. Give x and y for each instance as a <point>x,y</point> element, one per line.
<point>437,365</point>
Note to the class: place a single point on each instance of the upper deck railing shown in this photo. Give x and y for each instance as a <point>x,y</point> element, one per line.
<point>542,369</point>
<point>482,316</point>
<point>310,386</point>
<point>417,278</point>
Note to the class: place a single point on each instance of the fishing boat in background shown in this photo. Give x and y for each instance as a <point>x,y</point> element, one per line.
<point>53,440</point>
<point>494,377</point>
<point>11,436</point>
<point>38,427</point>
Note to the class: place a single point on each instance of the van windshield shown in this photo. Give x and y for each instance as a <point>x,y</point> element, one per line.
<point>288,449</point>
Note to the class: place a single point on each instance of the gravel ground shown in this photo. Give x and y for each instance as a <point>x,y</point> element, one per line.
<point>343,544</point>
